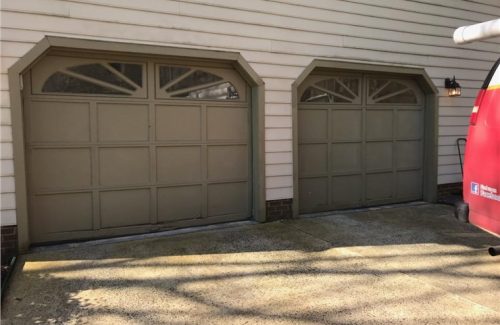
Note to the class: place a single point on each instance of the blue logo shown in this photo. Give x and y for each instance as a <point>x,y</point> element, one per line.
<point>474,188</point>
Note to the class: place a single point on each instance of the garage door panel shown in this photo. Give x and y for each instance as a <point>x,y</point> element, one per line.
<point>313,194</point>
<point>347,191</point>
<point>408,154</point>
<point>227,162</point>
<point>316,117</point>
<point>379,156</point>
<point>179,203</point>
<point>60,122</point>
<point>409,184</point>
<point>379,186</point>
<point>227,123</point>
<point>409,124</point>
<point>61,212</point>
<point>346,157</point>
<point>122,122</point>
<point>178,123</point>
<point>124,166</point>
<point>313,159</point>
<point>60,168</point>
<point>227,199</point>
<point>379,124</point>
<point>346,125</point>
<point>124,208</point>
<point>178,164</point>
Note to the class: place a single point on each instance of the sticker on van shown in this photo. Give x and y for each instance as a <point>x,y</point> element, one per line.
<point>484,191</point>
<point>474,188</point>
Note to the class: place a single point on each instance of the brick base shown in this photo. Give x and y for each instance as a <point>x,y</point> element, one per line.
<point>279,209</point>
<point>9,243</point>
<point>446,190</point>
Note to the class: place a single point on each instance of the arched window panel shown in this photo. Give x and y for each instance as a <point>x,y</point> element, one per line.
<point>99,72</point>
<point>168,75</point>
<point>60,82</point>
<point>133,72</point>
<point>387,91</point>
<point>315,95</point>
<point>338,90</point>
<point>72,76</point>
<point>219,92</point>
<point>193,83</point>
<point>194,79</point>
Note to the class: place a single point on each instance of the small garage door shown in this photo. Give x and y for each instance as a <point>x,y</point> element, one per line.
<point>360,141</point>
<point>120,145</point>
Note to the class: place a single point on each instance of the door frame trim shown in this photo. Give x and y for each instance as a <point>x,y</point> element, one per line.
<point>48,43</point>
<point>431,115</point>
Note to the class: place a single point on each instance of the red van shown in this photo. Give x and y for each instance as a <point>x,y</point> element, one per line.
<point>481,183</point>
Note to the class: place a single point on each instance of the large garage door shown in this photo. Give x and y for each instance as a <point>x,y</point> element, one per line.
<point>360,141</point>
<point>119,145</point>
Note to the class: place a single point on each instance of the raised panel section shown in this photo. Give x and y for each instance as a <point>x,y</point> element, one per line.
<point>227,198</point>
<point>313,124</point>
<point>379,186</point>
<point>227,162</point>
<point>409,124</point>
<point>379,124</point>
<point>59,122</point>
<point>346,157</point>
<point>61,212</point>
<point>378,156</point>
<point>124,208</point>
<point>122,122</point>
<point>347,191</point>
<point>178,164</point>
<point>408,154</point>
<point>124,166</point>
<point>313,159</point>
<point>346,125</point>
<point>60,168</point>
<point>179,203</point>
<point>409,184</point>
<point>313,194</point>
<point>178,123</point>
<point>227,123</point>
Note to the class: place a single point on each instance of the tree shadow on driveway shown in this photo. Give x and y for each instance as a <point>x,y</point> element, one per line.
<point>402,265</point>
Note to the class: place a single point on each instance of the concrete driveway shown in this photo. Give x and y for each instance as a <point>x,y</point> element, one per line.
<point>413,264</point>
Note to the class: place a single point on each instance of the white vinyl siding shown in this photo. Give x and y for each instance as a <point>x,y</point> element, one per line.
<point>279,38</point>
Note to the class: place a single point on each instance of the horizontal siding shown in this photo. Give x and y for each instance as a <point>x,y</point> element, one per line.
<point>278,38</point>
<point>8,217</point>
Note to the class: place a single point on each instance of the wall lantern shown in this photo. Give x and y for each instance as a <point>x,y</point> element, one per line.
<point>453,87</point>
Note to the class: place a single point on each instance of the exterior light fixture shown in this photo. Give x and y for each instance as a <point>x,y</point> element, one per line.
<point>453,87</point>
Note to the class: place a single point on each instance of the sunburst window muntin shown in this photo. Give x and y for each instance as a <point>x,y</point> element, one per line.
<point>392,91</point>
<point>90,77</point>
<point>342,90</point>
<point>182,82</point>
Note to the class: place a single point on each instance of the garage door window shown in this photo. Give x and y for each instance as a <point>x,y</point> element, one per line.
<point>333,90</point>
<point>192,83</point>
<point>101,78</point>
<point>384,91</point>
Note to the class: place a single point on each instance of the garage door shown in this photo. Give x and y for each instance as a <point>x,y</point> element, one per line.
<point>119,145</point>
<point>360,141</point>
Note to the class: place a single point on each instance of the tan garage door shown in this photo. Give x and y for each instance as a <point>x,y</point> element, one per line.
<point>120,145</point>
<point>360,141</point>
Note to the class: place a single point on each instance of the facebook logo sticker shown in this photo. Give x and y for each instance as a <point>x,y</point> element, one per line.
<point>474,188</point>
